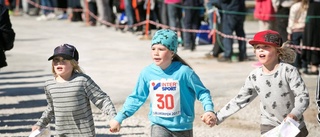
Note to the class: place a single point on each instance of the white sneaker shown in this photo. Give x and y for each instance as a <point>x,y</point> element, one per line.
<point>51,16</point>
<point>41,18</point>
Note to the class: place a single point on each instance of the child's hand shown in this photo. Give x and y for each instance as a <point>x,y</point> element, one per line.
<point>114,126</point>
<point>209,118</point>
<point>291,116</point>
<point>35,128</point>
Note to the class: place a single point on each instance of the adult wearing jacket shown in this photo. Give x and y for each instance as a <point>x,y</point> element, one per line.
<point>7,35</point>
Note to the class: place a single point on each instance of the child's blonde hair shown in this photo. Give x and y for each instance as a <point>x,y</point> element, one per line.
<point>75,65</point>
<point>286,54</point>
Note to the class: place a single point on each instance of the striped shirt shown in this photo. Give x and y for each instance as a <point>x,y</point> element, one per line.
<point>69,104</point>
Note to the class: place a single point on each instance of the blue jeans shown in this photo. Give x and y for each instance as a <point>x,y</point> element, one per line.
<point>174,15</point>
<point>129,12</point>
<point>160,131</point>
<point>296,38</point>
<point>49,4</point>
<point>233,23</point>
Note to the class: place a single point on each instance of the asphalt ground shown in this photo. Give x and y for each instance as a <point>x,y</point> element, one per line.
<point>114,59</point>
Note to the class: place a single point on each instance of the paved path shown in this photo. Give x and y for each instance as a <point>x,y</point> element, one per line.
<point>114,60</point>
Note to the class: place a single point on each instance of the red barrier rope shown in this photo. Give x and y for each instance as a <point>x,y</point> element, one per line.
<point>215,31</point>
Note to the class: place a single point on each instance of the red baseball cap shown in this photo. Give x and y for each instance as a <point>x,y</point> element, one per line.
<point>267,37</point>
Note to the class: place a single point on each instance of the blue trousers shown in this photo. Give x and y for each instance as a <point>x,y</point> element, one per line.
<point>230,24</point>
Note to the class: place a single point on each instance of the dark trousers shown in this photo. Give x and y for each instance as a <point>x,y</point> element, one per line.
<point>63,4</point>
<point>94,10</point>
<point>296,39</point>
<point>191,20</point>
<point>230,24</point>
<point>282,22</point>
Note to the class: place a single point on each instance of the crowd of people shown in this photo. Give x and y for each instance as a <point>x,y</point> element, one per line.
<point>295,20</point>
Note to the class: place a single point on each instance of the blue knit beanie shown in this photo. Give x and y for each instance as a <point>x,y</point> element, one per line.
<point>167,38</point>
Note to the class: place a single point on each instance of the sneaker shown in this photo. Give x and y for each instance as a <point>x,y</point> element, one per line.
<point>41,18</point>
<point>62,16</point>
<point>51,16</point>
<point>223,59</point>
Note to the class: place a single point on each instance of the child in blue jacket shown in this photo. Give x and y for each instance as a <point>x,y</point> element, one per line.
<point>173,88</point>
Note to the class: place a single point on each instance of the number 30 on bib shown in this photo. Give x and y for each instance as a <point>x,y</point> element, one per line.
<point>165,97</point>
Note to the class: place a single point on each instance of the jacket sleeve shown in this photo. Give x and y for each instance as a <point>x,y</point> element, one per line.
<point>202,93</point>
<point>299,88</point>
<point>48,114</point>
<point>99,98</point>
<point>246,95</point>
<point>134,101</point>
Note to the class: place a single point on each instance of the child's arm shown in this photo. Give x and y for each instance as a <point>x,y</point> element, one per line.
<point>99,98</point>
<point>209,118</point>
<point>301,99</point>
<point>47,115</point>
<point>246,95</point>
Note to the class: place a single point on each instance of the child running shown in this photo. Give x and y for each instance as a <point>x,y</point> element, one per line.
<point>69,94</point>
<point>278,84</point>
<point>173,88</point>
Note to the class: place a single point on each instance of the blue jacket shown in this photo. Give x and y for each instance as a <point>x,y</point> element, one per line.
<point>156,82</point>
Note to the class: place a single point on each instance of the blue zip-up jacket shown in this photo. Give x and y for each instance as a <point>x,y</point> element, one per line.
<point>191,88</point>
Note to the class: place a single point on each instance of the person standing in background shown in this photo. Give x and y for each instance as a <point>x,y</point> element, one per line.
<point>175,16</point>
<point>264,11</point>
<point>105,11</point>
<point>191,20</point>
<point>129,14</point>
<point>296,23</point>
<point>63,6</point>
<point>311,37</point>
<point>282,13</point>
<point>7,35</point>
<point>233,23</point>
<point>47,11</point>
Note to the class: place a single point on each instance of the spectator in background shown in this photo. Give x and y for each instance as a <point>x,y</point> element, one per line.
<point>7,34</point>
<point>94,10</point>
<point>191,20</point>
<point>76,14</point>
<point>130,14</point>
<point>209,5</point>
<point>264,11</point>
<point>47,11</point>
<point>105,11</point>
<point>174,13</point>
<point>63,6</point>
<point>233,22</point>
<point>282,12</point>
<point>311,37</point>
<point>296,23</point>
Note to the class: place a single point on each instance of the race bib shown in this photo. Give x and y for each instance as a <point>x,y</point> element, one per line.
<point>165,97</point>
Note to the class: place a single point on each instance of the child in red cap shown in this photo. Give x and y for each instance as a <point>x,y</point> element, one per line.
<point>279,86</point>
